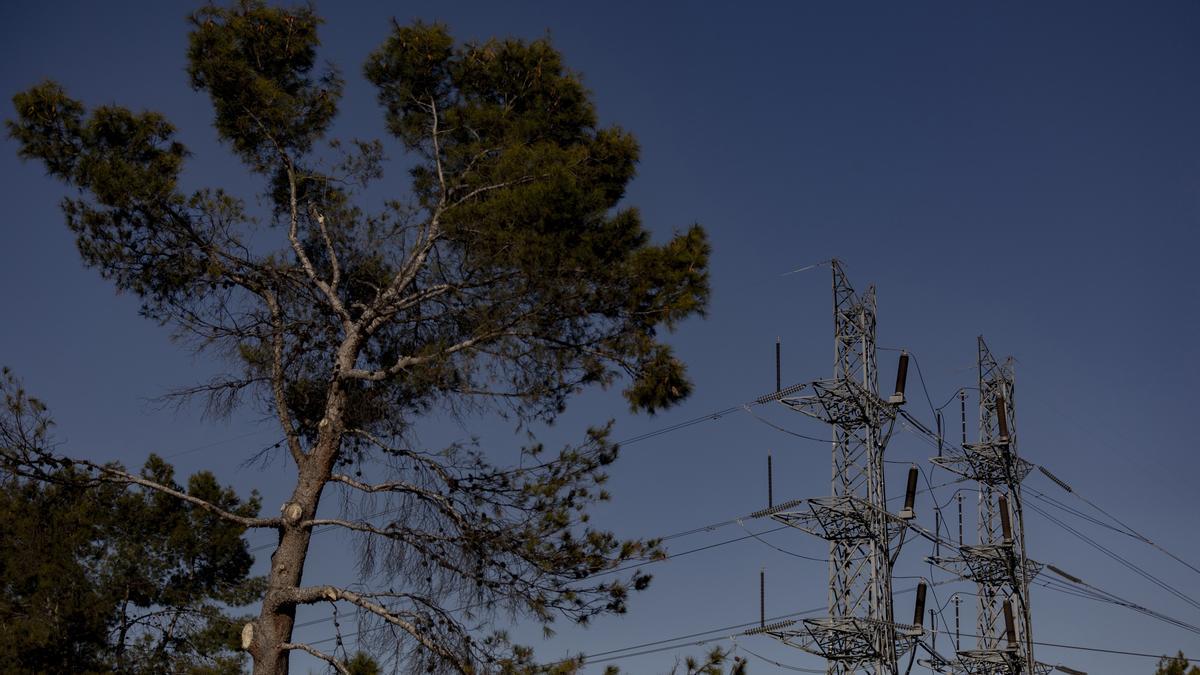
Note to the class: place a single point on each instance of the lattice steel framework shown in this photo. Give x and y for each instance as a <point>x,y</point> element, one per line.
<point>998,564</point>
<point>859,635</point>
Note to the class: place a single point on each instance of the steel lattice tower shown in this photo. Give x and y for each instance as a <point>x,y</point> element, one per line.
<point>998,563</point>
<point>859,635</point>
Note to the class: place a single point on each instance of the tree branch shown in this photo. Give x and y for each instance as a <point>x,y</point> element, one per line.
<point>277,380</point>
<point>293,236</point>
<point>407,362</point>
<point>441,501</point>
<point>120,476</point>
<point>331,660</point>
<point>437,150</point>
<point>380,311</point>
<point>313,594</point>
<point>384,314</point>
<point>335,270</point>
<point>496,186</point>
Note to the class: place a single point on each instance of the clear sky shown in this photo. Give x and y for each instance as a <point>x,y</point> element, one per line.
<point>1028,171</point>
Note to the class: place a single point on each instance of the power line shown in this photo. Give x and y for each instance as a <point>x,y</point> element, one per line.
<point>1098,595</point>
<point>713,416</point>
<point>795,669</point>
<point>628,441</point>
<point>1127,529</point>
<point>768,544</point>
<point>927,434</point>
<point>1047,499</point>
<point>636,565</point>
<point>1101,650</point>
<point>782,429</point>
<point>1087,592</point>
<point>761,400</point>
<point>667,644</point>
<point>214,444</point>
<point>669,556</point>
<point>680,554</point>
<point>670,643</point>
<point>672,556</point>
<point>1111,554</point>
<point>725,629</point>
<point>608,655</point>
<point>1124,528</point>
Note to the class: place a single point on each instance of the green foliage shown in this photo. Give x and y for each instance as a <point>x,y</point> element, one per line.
<point>363,664</point>
<point>52,617</point>
<point>100,577</point>
<point>256,62</point>
<point>129,164</point>
<point>1175,665</point>
<point>536,187</point>
<point>564,284</point>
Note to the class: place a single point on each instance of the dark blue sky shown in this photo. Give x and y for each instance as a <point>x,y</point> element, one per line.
<point>1028,171</point>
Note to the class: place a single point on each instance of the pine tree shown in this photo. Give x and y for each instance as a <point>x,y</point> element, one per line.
<point>507,278</point>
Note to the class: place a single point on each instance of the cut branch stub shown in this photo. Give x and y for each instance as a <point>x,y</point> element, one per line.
<point>291,513</point>
<point>247,636</point>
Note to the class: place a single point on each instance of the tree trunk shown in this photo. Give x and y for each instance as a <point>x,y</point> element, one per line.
<point>278,615</point>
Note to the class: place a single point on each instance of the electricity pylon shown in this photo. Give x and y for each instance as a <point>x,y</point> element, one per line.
<point>998,565</point>
<point>859,635</point>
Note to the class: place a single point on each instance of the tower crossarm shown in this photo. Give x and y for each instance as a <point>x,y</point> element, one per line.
<point>989,564</point>
<point>981,662</point>
<point>840,518</point>
<point>988,463</point>
<point>846,639</point>
<point>843,403</point>
<point>995,662</point>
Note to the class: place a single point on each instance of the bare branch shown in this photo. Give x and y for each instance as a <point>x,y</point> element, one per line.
<point>331,295</point>
<point>441,501</point>
<point>407,362</point>
<point>314,594</point>
<point>394,486</point>
<point>413,300</point>
<point>331,660</point>
<point>277,380</point>
<point>335,270</point>
<point>382,310</point>
<point>116,475</point>
<point>354,525</point>
<point>497,186</point>
<point>437,149</point>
